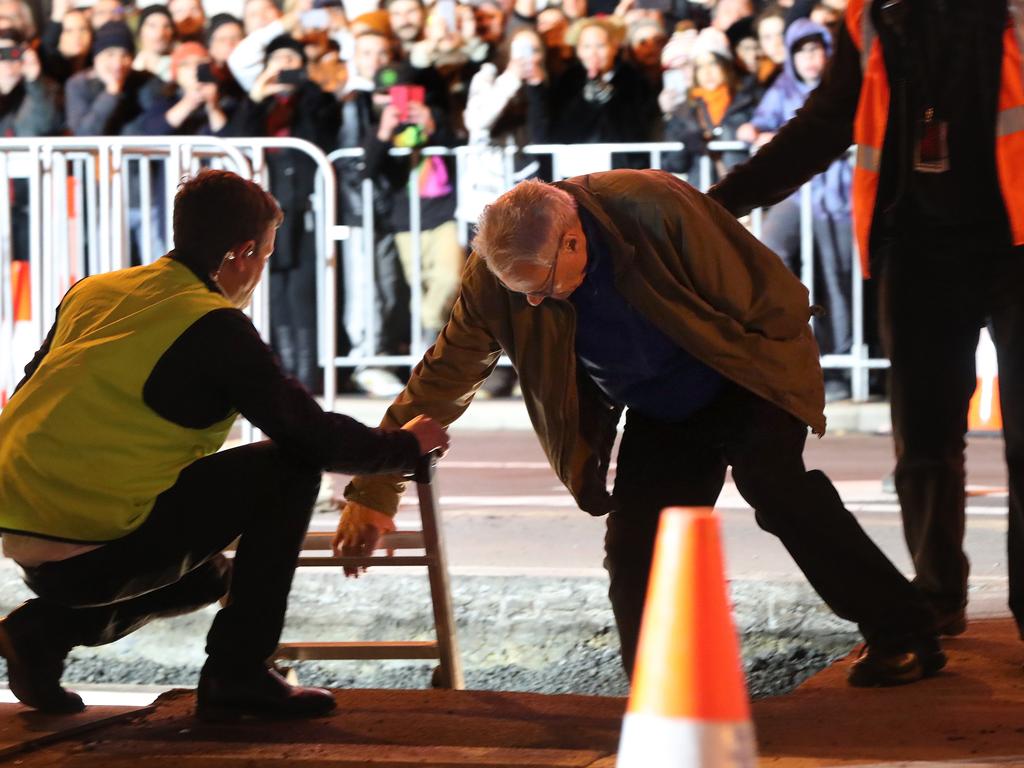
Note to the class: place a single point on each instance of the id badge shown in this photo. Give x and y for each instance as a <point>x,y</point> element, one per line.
<point>931,153</point>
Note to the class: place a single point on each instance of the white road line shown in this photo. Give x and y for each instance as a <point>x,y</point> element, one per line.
<point>564,501</point>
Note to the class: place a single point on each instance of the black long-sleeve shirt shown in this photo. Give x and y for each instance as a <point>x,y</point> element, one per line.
<point>220,364</point>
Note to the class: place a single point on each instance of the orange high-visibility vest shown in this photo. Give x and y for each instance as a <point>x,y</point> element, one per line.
<point>873,114</point>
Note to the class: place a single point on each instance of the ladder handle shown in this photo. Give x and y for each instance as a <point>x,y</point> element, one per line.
<point>424,472</point>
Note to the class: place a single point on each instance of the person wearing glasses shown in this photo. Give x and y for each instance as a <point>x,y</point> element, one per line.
<point>632,290</point>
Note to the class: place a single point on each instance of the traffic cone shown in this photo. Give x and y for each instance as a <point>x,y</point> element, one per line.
<point>688,707</point>
<point>984,414</point>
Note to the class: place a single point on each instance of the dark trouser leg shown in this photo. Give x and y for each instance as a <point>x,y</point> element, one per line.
<point>659,465</point>
<point>1008,329</point>
<point>303,302</point>
<point>931,321</point>
<point>858,582</point>
<point>256,492</point>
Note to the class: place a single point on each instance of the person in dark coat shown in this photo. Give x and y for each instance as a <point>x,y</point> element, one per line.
<point>284,102</point>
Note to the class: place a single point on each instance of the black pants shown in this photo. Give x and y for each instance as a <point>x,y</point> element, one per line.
<point>172,563</point>
<point>663,464</point>
<point>934,301</point>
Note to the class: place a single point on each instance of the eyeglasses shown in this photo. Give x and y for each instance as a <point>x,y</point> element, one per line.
<point>548,289</point>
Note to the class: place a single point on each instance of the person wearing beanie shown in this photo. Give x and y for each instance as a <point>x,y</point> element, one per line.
<point>155,38</point>
<point>109,99</point>
<point>223,35</point>
<point>718,103</point>
<point>746,50</point>
<point>284,102</point>
<point>809,45</point>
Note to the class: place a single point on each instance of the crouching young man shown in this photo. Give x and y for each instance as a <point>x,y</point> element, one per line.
<point>114,498</point>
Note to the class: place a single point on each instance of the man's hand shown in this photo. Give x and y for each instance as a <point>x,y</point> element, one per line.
<point>421,115</point>
<point>430,435</point>
<point>359,532</point>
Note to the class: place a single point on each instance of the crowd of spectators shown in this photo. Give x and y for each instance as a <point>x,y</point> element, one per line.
<point>383,73</point>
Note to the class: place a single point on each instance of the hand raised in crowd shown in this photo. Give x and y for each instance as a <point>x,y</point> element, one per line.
<point>389,121</point>
<point>420,114</point>
<point>266,84</point>
<point>747,132</point>
<point>59,9</point>
<point>31,67</point>
<point>113,78</point>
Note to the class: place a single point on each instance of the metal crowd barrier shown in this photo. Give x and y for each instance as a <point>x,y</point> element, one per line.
<point>96,178</point>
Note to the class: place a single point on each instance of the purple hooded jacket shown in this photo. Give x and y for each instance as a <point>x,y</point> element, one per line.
<point>830,191</point>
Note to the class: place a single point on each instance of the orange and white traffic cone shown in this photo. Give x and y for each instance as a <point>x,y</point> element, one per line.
<point>984,413</point>
<point>688,705</point>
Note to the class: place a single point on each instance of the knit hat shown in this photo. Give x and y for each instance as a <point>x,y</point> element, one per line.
<point>710,40</point>
<point>286,41</point>
<point>113,34</point>
<point>741,30</point>
<point>183,51</point>
<point>219,20</point>
<point>153,10</point>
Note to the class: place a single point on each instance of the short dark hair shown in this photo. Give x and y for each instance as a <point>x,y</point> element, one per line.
<point>216,210</point>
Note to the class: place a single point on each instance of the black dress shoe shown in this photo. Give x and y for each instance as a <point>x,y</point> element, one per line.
<point>33,673</point>
<point>260,692</point>
<point>876,668</point>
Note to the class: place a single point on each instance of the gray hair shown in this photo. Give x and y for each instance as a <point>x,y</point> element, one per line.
<point>521,226</point>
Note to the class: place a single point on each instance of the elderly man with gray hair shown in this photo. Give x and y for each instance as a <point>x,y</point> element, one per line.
<point>631,290</point>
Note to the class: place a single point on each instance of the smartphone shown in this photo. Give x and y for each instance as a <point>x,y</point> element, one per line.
<point>12,53</point>
<point>291,76</point>
<point>675,80</point>
<point>445,9</point>
<point>204,73</point>
<point>404,95</point>
<point>318,18</point>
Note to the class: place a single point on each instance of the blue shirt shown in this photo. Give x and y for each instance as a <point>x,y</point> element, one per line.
<point>632,361</point>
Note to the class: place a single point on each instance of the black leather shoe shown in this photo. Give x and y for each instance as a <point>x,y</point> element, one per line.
<point>261,692</point>
<point>876,668</point>
<point>33,673</point>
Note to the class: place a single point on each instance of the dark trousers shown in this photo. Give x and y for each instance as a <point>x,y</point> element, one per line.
<point>172,562</point>
<point>934,301</point>
<point>663,464</point>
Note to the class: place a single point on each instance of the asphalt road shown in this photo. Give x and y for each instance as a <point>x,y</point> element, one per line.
<point>505,512</point>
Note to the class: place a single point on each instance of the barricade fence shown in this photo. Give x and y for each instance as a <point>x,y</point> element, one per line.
<point>72,207</point>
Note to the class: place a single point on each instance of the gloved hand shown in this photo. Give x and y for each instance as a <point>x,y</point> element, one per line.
<point>359,531</point>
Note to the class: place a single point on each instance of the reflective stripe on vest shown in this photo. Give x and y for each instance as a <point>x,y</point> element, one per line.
<point>873,114</point>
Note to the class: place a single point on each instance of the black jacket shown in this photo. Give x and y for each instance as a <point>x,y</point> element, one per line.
<point>823,128</point>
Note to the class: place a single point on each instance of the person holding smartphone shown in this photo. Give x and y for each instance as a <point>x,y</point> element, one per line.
<point>283,101</point>
<point>190,104</point>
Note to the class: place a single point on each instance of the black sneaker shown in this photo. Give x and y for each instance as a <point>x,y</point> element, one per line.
<point>876,668</point>
<point>261,692</point>
<point>33,669</point>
